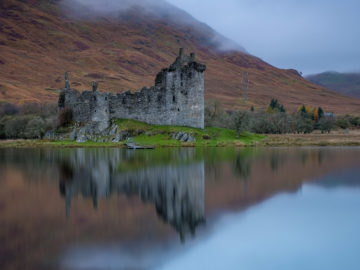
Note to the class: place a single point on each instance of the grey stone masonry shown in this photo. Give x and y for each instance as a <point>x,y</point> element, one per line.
<point>177,98</point>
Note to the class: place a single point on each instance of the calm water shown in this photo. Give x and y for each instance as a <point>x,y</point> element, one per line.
<point>275,208</point>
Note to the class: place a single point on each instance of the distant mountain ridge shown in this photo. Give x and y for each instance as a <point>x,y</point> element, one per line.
<point>343,83</point>
<point>124,50</point>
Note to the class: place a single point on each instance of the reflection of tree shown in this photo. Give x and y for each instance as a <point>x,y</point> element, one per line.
<point>177,191</point>
<point>277,159</point>
<point>242,166</point>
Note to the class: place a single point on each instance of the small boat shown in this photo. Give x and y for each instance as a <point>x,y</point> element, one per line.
<point>130,144</point>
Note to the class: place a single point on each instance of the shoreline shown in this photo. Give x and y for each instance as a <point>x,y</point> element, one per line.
<point>337,138</point>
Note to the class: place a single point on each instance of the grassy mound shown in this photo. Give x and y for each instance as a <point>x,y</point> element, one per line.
<point>146,134</point>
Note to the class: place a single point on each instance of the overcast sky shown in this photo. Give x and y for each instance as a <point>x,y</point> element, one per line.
<point>309,35</point>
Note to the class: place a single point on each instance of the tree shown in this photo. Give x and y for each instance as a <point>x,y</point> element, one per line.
<point>15,127</point>
<point>275,107</point>
<point>215,114</point>
<point>274,103</point>
<point>305,111</point>
<point>326,124</point>
<point>343,123</point>
<point>303,124</point>
<point>240,122</point>
<point>35,128</point>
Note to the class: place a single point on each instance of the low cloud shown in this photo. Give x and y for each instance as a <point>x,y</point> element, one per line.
<point>161,9</point>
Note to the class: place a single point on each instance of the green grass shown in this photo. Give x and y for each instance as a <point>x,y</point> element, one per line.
<point>157,135</point>
<point>152,135</point>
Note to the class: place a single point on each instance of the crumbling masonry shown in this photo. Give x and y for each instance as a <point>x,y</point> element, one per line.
<point>176,99</point>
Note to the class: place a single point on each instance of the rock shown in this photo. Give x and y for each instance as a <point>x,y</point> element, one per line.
<point>115,140</point>
<point>82,131</point>
<point>81,139</point>
<point>73,135</point>
<point>123,135</point>
<point>191,139</point>
<point>184,137</point>
<point>113,130</point>
<point>49,135</point>
<point>178,135</point>
<point>206,137</point>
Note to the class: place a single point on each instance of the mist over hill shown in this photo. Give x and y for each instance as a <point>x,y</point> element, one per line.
<point>92,10</point>
<point>123,47</point>
<point>343,83</point>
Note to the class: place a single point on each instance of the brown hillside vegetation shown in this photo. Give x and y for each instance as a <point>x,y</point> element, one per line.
<point>39,41</point>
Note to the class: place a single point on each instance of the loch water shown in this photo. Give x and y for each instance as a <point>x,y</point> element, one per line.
<point>181,208</point>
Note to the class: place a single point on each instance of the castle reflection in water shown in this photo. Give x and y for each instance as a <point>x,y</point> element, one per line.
<point>175,188</point>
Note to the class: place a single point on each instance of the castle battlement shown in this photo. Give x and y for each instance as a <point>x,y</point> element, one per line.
<point>177,98</point>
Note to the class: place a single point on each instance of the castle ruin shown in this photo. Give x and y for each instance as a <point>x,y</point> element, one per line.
<point>177,98</point>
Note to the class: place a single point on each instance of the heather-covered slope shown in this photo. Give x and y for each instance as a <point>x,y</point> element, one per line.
<point>40,40</point>
<point>343,83</point>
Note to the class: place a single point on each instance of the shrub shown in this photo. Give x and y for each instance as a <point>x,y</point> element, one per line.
<point>15,126</point>
<point>275,123</point>
<point>35,128</point>
<point>355,121</point>
<point>240,121</point>
<point>3,122</point>
<point>343,123</point>
<point>326,124</point>
<point>303,124</point>
<point>215,115</point>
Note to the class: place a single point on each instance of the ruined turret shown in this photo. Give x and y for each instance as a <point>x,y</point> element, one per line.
<point>177,98</point>
<point>94,86</point>
<point>67,82</point>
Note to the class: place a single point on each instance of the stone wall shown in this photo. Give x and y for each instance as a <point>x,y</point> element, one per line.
<point>177,98</point>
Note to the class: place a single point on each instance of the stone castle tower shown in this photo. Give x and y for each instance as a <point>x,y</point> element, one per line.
<point>177,98</point>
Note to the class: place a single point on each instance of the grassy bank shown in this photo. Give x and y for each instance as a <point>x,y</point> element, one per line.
<point>335,138</point>
<point>163,136</point>
<point>153,135</point>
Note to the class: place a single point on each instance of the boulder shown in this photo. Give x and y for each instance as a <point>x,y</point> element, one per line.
<point>113,130</point>
<point>191,139</point>
<point>184,137</point>
<point>73,135</point>
<point>49,135</point>
<point>81,139</point>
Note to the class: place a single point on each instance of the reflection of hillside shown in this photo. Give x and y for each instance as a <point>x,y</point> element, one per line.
<point>337,179</point>
<point>31,208</point>
<point>176,190</point>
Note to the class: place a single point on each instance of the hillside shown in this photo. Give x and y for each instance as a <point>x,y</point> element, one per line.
<point>40,40</point>
<point>343,83</point>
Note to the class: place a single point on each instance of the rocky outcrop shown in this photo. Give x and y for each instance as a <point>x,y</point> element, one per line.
<point>184,137</point>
